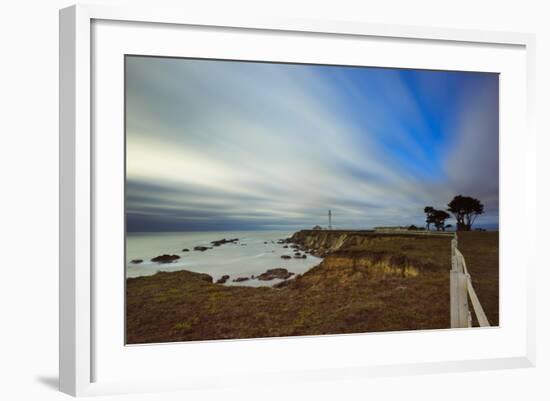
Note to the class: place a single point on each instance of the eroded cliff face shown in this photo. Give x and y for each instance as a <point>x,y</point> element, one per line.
<point>324,242</point>
<point>320,242</point>
<point>366,252</point>
<point>345,269</point>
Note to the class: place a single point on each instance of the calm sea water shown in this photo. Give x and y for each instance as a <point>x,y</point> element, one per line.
<point>250,256</point>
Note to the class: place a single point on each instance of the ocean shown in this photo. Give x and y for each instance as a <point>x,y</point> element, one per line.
<point>253,254</point>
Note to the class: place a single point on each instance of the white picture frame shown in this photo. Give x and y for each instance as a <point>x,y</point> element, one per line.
<point>78,161</point>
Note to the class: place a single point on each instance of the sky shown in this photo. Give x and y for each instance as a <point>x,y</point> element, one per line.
<point>228,146</point>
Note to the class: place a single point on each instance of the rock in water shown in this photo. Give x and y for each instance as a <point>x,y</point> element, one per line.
<point>286,257</point>
<point>278,272</point>
<point>136,261</point>
<point>165,258</point>
<point>222,279</point>
<point>239,279</point>
<point>224,241</point>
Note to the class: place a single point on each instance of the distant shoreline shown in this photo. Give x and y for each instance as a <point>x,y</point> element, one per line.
<point>291,231</point>
<point>239,255</point>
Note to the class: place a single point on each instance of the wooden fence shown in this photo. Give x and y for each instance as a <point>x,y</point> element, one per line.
<point>461,288</point>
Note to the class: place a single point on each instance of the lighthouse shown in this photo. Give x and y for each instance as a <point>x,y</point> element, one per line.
<point>329,219</point>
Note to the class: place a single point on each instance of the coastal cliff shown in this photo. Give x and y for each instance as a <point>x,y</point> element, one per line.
<point>324,242</point>
<point>372,253</point>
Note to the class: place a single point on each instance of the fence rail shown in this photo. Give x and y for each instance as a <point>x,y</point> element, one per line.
<point>461,288</point>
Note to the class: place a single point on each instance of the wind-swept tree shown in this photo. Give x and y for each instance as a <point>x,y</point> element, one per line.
<point>429,210</point>
<point>436,217</point>
<point>439,217</point>
<point>465,209</point>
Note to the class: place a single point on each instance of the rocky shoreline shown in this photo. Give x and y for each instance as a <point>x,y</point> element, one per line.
<point>318,243</point>
<point>276,273</point>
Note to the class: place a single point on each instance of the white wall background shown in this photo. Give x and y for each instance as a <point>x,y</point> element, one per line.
<point>29,186</point>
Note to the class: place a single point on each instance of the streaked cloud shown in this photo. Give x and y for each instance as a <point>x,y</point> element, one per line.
<point>234,145</point>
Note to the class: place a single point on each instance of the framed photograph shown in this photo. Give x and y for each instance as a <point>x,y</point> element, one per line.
<point>301,200</point>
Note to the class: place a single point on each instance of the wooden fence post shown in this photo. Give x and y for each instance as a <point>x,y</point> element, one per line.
<point>453,279</point>
<point>463,311</point>
<point>454,298</point>
<point>460,315</point>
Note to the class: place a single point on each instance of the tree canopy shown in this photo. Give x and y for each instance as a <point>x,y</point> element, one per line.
<point>428,210</point>
<point>465,209</point>
<point>436,217</point>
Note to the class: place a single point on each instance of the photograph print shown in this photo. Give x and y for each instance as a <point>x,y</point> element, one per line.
<point>271,199</point>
